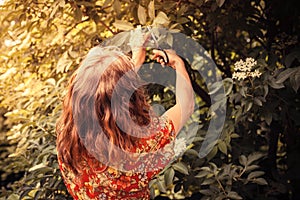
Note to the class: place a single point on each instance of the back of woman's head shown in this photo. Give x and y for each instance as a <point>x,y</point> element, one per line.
<point>103,109</point>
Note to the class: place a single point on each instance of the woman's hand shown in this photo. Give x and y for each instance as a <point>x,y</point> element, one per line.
<point>170,55</point>
<point>137,43</point>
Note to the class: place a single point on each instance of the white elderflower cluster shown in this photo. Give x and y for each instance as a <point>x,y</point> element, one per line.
<point>243,69</point>
<point>136,38</point>
<point>180,146</point>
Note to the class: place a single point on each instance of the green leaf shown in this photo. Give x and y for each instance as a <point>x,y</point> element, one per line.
<point>77,14</point>
<point>248,105</point>
<point>220,2</point>
<point>13,197</point>
<point>207,192</point>
<point>41,165</point>
<point>243,160</point>
<point>151,10</point>
<point>254,157</point>
<point>228,84</point>
<point>161,19</point>
<point>233,195</point>
<point>169,39</point>
<point>183,20</point>
<point>208,181</point>
<point>266,90</point>
<point>275,85</point>
<point>212,153</point>
<point>222,147</point>
<point>161,186</point>
<point>234,135</point>
<point>117,6</point>
<point>191,152</point>
<point>106,3</point>
<point>285,75</point>
<point>123,25</point>
<point>268,117</point>
<point>206,169</point>
<point>214,167</point>
<point>152,182</point>
<point>169,176</point>
<point>96,18</point>
<point>202,174</point>
<point>182,10</point>
<point>257,101</point>
<point>255,174</point>
<point>260,181</point>
<point>181,167</point>
<point>242,91</point>
<point>142,15</point>
<point>251,167</point>
<point>51,81</point>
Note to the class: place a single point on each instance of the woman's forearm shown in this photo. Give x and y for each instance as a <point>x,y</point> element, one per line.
<point>138,57</point>
<point>184,90</point>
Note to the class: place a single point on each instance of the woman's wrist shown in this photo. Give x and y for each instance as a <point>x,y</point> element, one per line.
<point>138,57</point>
<point>177,63</point>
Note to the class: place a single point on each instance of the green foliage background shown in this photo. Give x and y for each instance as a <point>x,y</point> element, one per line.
<point>42,42</point>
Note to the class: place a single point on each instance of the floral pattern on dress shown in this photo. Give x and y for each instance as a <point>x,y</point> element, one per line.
<point>101,182</point>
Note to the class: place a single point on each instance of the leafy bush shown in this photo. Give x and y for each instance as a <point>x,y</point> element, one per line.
<point>256,155</point>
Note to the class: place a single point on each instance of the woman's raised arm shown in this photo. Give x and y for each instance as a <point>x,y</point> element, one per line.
<point>184,106</point>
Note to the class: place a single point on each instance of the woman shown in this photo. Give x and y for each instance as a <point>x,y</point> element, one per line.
<point>108,149</point>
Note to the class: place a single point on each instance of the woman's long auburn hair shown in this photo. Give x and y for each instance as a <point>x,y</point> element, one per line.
<point>89,114</point>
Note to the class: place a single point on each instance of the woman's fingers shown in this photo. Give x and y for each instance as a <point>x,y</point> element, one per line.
<point>161,61</point>
<point>157,53</point>
<point>160,56</point>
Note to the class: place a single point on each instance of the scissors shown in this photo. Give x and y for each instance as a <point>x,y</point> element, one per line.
<point>166,59</point>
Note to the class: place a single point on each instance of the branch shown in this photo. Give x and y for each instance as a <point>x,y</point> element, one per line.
<point>74,26</point>
<point>107,27</point>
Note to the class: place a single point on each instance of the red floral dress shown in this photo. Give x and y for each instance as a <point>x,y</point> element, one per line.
<point>103,182</point>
